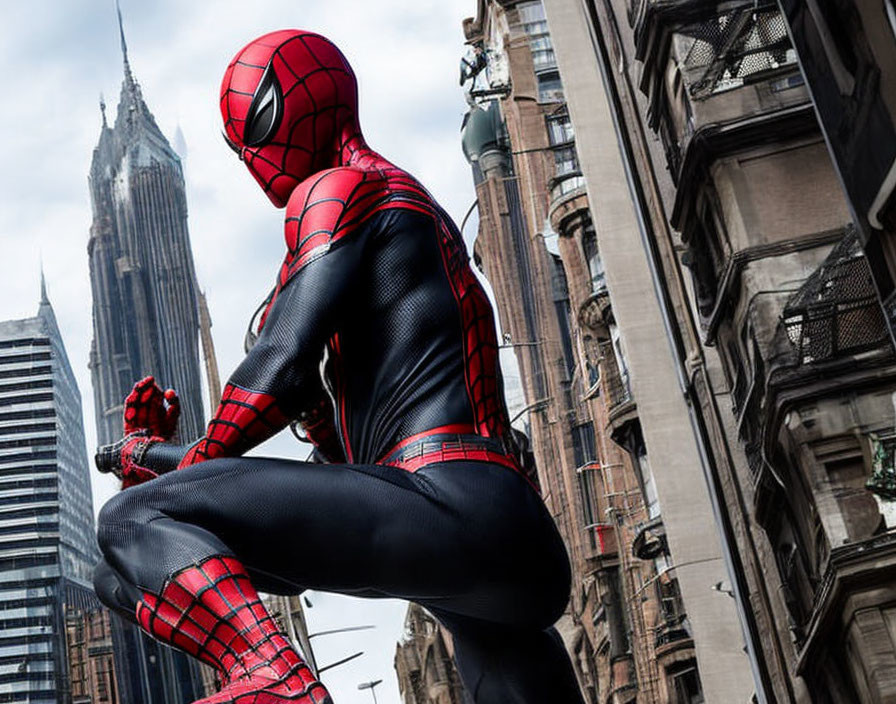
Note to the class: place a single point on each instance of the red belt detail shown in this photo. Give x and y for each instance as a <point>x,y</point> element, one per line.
<point>442,445</point>
<point>454,428</point>
<point>454,455</point>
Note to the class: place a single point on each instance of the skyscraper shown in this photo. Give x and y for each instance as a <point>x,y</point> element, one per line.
<point>47,548</point>
<point>146,321</point>
<point>145,295</point>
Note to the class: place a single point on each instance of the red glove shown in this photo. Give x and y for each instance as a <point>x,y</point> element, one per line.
<point>124,458</point>
<point>131,470</point>
<point>150,416</point>
<point>148,409</point>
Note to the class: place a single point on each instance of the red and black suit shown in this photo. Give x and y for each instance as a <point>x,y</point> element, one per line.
<point>379,339</point>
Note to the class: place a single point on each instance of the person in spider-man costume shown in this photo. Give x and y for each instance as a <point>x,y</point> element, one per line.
<point>380,341</point>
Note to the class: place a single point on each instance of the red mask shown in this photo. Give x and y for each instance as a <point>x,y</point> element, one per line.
<point>289,100</point>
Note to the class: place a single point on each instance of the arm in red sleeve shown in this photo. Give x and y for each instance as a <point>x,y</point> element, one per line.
<point>279,380</point>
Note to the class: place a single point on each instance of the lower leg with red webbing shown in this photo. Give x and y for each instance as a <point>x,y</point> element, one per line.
<point>212,611</point>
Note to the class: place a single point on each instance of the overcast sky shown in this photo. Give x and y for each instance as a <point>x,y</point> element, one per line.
<point>56,59</point>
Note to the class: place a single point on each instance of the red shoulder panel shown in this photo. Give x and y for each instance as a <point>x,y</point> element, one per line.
<point>324,210</point>
<point>334,203</point>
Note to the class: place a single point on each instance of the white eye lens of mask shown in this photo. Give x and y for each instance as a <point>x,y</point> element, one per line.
<point>265,112</point>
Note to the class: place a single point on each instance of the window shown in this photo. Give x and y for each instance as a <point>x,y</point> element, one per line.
<point>883,466</point>
<point>550,88</point>
<point>542,52</point>
<point>532,17</point>
<point>560,130</point>
<point>566,161</point>
<point>686,685</point>
<point>583,445</point>
<point>589,494</point>
<point>592,257</point>
<point>590,510</point>
<point>534,24</point>
<point>651,501</point>
<point>560,293</point>
<point>621,362</point>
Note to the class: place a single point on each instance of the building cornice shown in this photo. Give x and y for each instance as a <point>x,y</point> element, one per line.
<point>851,569</point>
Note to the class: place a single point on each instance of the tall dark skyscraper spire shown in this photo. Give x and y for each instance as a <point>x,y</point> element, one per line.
<point>124,45</point>
<point>145,321</point>
<point>145,312</point>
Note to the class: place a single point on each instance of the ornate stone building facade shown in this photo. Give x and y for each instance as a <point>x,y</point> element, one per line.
<point>847,50</point>
<point>715,198</point>
<point>91,660</point>
<point>424,662</point>
<point>145,321</point>
<point>639,545</point>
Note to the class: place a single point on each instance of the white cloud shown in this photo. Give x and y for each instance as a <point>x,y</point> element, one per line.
<point>58,57</point>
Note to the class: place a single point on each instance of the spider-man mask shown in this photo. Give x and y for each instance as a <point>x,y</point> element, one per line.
<point>289,102</point>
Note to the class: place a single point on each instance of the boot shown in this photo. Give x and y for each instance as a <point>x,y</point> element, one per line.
<point>213,612</point>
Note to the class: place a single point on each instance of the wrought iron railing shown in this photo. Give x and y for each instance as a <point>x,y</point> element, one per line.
<point>837,311</point>
<point>720,50</point>
<point>618,389</point>
<point>730,47</point>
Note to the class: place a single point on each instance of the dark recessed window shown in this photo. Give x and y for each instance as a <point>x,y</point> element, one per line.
<point>550,88</point>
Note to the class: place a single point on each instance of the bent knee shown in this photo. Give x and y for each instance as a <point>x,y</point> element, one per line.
<point>105,584</point>
<point>120,514</point>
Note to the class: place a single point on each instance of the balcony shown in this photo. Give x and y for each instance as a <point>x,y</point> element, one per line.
<point>595,313</point>
<point>671,636</point>
<point>605,543</point>
<point>622,413</point>
<point>849,605</point>
<point>673,633</point>
<point>618,389</point>
<point>730,49</point>
<point>568,177</point>
<point>601,536</point>
<point>715,68</point>
<point>650,540</point>
<point>836,313</point>
<point>568,185</point>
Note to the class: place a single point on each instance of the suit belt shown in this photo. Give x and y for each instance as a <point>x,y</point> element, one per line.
<point>424,450</point>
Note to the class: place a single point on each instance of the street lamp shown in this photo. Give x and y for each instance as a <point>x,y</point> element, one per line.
<point>370,686</point>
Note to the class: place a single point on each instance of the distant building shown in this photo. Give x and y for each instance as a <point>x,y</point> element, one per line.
<point>145,321</point>
<point>91,661</point>
<point>145,295</point>
<point>47,544</point>
<point>290,616</point>
<point>424,662</point>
